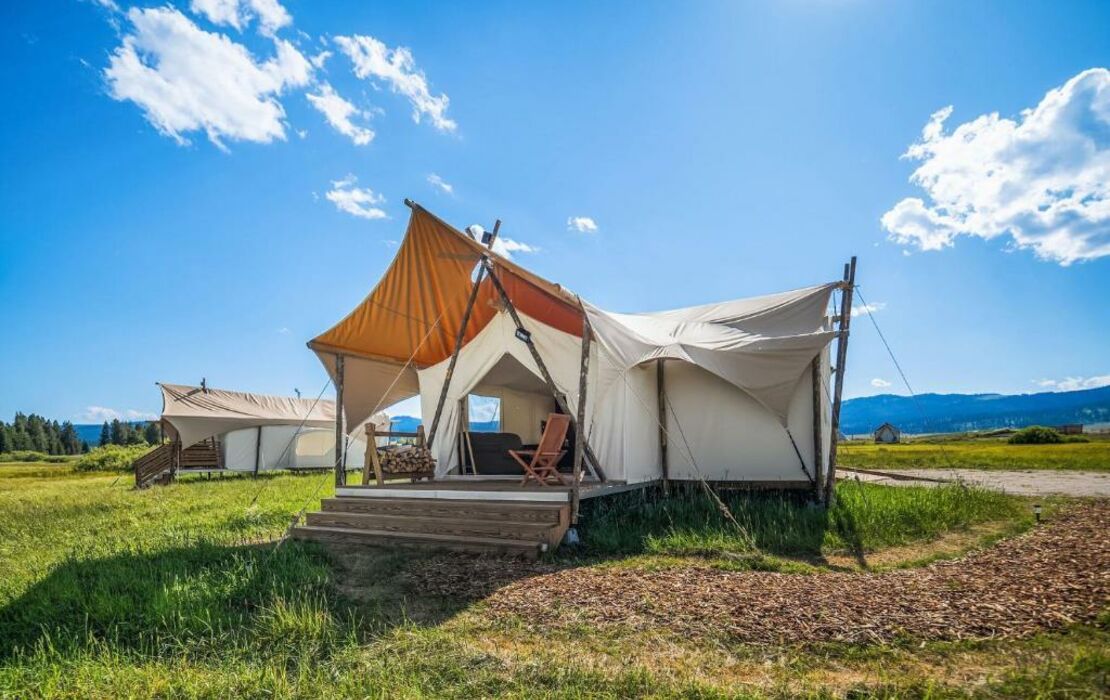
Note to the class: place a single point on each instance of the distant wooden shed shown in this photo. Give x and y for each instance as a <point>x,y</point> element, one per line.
<point>887,434</point>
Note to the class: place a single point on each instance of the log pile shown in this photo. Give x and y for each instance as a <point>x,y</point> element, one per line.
<point>1055,576</point>
<point>407,459</point>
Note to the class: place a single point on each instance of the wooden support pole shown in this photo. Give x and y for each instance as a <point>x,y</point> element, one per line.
<point>340,472</point>
<point>455,354</point>
<point>580,427</point>
<point>560,400</point>
<point>662,395</point>
<point>257,449</point>
<point>841,360</point>
<point>818,442</point>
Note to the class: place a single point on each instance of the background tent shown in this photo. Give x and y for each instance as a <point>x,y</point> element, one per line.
<point>274,432</point>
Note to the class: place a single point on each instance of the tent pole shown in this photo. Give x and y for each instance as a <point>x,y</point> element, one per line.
<point>560,400</point>
<point>579,430</point>
<point>257,449</point>
<point>841,359</point>
<point>661,387</point>
<point>455,355</point>
<point>458,340</point>
<point>340,474</point>
<point>818,442</point>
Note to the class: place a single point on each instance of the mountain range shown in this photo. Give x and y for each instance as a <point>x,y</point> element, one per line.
<point>954,413</point>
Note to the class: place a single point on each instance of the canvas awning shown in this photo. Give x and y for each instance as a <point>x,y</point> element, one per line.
<point>410,320</point>
<point>195,413</point>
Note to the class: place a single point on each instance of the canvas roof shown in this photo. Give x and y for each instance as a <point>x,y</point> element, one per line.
<point>410,320</point>
<point>196,413</point>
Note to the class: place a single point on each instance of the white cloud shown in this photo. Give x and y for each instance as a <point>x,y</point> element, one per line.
<point>133,415</point>
<point>239,13</point>
<point>97,414</point>
<point>873,307</point>
<point>374,60</point>
<point>879,383</point>
<point>284,331</point>
<point>360,202</point>
<point>505,247</point>
<point>1042,179</point>
<point>582,224</point>
<point>320,59</point>
<point>186,79</point>
<point>338,112</point>
<point>441,184</point>
<point>1074,383</point>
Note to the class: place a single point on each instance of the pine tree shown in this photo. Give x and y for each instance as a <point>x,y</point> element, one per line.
<point>105,435</point>
<point>152,434</point>
<point>5,440</point>
<point>116,432</point>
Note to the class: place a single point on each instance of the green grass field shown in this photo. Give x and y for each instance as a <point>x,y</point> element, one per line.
<point>976,453</point>
<point>177,592</point>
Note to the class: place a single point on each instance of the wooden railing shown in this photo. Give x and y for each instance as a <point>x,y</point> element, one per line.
<point>156,466</point>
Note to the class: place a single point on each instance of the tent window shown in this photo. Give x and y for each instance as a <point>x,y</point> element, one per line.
<point>483,413</point>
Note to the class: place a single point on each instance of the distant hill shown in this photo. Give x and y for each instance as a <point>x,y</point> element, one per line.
<point>90,432</point>
<point>407,424</point>
<point>953,413</point>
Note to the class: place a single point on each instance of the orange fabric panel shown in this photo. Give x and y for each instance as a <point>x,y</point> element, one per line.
<point>536,302</point>
<point>428,280</point>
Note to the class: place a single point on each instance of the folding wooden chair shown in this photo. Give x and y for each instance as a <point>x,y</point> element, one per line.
<point>543,462</point>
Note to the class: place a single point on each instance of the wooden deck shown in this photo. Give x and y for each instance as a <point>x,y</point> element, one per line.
<point>490,488</point>
<point>478,515</point>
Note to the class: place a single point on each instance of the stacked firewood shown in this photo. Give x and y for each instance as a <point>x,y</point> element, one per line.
<point>407,459</point>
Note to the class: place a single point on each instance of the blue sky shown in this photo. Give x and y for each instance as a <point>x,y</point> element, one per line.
<point>167,170</point>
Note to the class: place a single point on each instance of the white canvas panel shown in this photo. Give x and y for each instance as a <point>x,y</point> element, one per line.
<point>720,433</point>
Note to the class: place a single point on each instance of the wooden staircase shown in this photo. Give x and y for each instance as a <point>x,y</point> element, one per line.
<point>156,466</point>
<point>515,528</point>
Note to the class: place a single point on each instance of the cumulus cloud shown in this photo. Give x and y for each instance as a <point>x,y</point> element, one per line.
<point>338,112</point>
<point>270,14</point>
<point>374,60</point>
<point>505,247</point>
<point>1074,383</point>
<point>361,202</point>
<point>1042,179</point>
<point>186,79</point>
<point>582,224</point>
<point>879,383</point>
<point>97,414</point>
<point>441,184</point>
<point>873,307</point>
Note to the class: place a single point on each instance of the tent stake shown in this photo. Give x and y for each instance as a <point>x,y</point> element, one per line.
<point>841,358</point>
<point>340,474</point>
<point>560,400</point>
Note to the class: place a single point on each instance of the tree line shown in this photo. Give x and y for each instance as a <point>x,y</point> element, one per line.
<point>123,433</point>
<point>38,434</point>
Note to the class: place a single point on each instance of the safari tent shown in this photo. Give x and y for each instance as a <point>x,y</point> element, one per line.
<point>217,429</point>
<point>736,391</point>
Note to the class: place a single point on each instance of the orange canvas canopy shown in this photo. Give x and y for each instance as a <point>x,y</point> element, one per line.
<point>413,314</point>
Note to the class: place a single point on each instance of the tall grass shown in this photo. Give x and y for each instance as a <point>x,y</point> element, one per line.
<point>979,453</point>
<point>865,518</point>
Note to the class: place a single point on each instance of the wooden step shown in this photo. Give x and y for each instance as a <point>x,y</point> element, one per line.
<point>506,529</point>
<point>383,538</point>
<point>444,508</point>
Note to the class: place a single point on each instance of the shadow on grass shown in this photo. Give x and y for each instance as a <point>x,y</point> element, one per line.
<point>200,600</point>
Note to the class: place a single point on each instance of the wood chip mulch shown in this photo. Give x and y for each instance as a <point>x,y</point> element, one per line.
<point>1054,576</point>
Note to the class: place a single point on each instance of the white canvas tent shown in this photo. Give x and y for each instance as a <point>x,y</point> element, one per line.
<point>737,376</point>
<point>270,432</point>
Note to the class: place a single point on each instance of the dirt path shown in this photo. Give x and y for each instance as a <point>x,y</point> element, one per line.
<point>1021,483</point>
<point>1054,576</point>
